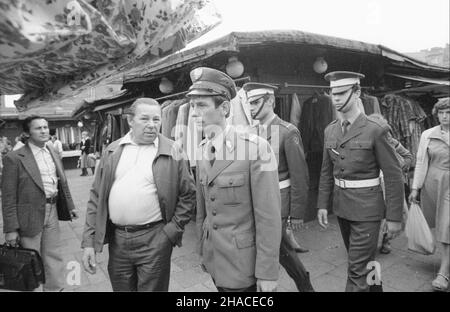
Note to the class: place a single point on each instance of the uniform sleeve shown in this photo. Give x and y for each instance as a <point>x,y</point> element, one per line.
<point>326,184</point>
<point>392,173</point>
<point>201,211</point>
<point>298,174</point>
<point>267,211</point>
<point>405,155</point>
<point>10,181</point>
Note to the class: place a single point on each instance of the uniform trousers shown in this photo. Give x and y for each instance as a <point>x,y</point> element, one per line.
<point>361,240</point>
<point>292,264</point>
<point>140,261</point>
<point>48,244</point>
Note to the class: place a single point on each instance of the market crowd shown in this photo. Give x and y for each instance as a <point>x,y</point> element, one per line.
<point>249,190</point>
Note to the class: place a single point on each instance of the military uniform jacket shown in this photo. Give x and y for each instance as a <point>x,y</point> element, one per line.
<point>360,155</point>
<point>286,142</point>
<point>238,211</point>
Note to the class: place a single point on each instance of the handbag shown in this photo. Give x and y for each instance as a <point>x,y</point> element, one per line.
<point>420,238</point>
<point>21,269</point>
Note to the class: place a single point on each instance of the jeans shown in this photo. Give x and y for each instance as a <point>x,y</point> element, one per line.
<point>140,261</point>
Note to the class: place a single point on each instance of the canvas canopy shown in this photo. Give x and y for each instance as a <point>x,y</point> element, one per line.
<point>56,50</point>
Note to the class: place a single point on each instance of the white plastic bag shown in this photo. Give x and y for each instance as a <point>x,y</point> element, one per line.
<point>420,238</point>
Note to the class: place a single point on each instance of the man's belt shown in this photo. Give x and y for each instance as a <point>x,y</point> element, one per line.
<point>135,228</point>
<point>51,200</point>
<point>285,183</point>
<point>356,183</point>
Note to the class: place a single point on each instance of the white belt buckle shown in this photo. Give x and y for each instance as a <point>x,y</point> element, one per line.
<point>342,183</point>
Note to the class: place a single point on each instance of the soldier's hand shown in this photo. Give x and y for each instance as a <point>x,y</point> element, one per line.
<point>12,238</point>
<point>393,229</point>
<point>412,198</point>
<point>266,286</point>
<point>89,262</point>
<point>322,217</point>
<point>296,224</point>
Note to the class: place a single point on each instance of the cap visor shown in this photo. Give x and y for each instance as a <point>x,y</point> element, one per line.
<point>341,89</point>
<point>255,98</point>
<point>200,92</point>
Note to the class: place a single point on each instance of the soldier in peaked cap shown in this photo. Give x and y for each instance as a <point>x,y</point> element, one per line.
<point>356,148</point>
<point>238,200</point>
<point>286,142</point>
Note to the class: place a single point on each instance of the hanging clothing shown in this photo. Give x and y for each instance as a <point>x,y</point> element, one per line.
<point>240,110</point>
<point>296,110</point>
<point>283,107</point>
<point>317,112</point>
<point>169,116</point>
<point>165,126</point>
<point>406,118</point>
<point>427,102</point>
<point>181,125</point>
<point>371,104</point>
<point>360,105</point>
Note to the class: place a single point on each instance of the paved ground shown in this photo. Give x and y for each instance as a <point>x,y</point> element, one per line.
<point>401,270</point>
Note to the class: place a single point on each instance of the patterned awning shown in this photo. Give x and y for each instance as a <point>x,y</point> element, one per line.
<point>52,49</point>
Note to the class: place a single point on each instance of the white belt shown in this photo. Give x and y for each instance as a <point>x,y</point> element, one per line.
<point>285,183</point>
<point>356,183</point>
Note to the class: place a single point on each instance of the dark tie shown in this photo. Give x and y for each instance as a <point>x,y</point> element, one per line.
<point>212,155</point>
<point>345,125</point>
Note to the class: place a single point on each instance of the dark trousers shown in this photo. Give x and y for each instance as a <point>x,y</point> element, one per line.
<point>140,261</point>
<point>361,240</point>
<point>292,264</point>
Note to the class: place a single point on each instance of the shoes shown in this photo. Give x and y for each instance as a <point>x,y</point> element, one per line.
<point>385,245</point>
<point>386,248</point>
<point>440,283</point>
<point>300,249</point>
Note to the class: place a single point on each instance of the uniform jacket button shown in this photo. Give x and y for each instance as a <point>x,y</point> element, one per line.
<point>215,227</point>
<point>231,182</point>
<point>213,198</point>
<point>342,169</point>
<point>342,157</point>
<point>343,146</point>
<point>214,212</point>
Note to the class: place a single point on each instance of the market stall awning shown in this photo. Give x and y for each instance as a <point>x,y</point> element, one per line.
<point>234,41</point>
<point>423,79</point>
<point>437,87</point>
<point>52,49</point>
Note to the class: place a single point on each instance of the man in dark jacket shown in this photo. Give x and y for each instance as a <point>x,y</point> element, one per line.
<point>35,195</point>
<point>140,201</point>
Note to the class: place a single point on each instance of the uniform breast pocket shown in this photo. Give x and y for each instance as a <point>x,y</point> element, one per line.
<point>360,151</point>
<point>331,149</point>
<point>231,188</point>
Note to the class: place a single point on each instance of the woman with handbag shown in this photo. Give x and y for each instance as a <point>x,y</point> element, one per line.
<point>431,177</point>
